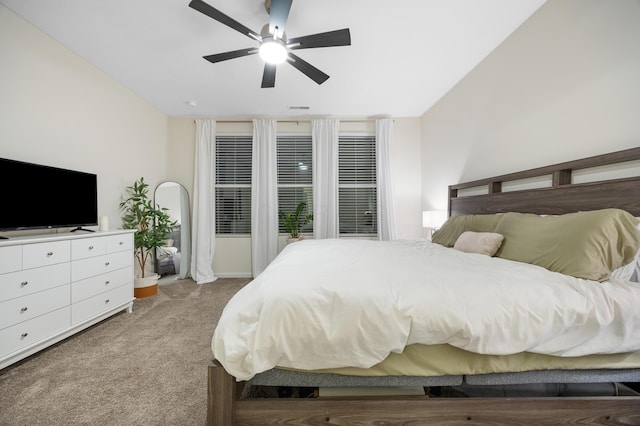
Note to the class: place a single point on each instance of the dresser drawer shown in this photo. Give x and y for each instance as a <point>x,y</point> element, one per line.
<point>85,268</point>
<point>122,242</point>
<point>92,286</point>
<point>29,332</point>
<point>25,308</point>
<point>10,259</point>
<point>96,305</point>
<point>22,283</point>
<point>43,254</point>
<point>88,247</point>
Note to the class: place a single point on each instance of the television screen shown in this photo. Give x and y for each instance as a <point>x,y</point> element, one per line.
<point>39,196</point>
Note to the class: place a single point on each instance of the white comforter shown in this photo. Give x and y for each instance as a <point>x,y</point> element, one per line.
<point>336,303</point>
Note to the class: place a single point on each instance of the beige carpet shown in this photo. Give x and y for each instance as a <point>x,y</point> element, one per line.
<point>144,368</point>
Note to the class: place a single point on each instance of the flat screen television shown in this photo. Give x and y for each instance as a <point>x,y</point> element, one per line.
<point>36,196</point>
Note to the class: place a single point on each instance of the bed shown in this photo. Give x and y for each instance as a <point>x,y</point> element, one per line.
<point>557,334</point>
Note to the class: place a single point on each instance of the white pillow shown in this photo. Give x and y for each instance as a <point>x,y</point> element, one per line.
<point>630,271</point>
<point>486,243</point>
<point>626,272</point>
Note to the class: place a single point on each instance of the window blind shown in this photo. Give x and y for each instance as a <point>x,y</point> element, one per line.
<point>357,197</point>
<point>233,185</point>
<point>295,173</point>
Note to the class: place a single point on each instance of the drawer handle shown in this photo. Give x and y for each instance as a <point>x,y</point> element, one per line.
<point>106,263</point>
<point>24,309</point>
<point>24,283</point>
<point>90,247</point>
<point>106,301</point>
<point>23,335</point>
<point>50,254</point>
<point>121,242</point>
<point>107,282</point>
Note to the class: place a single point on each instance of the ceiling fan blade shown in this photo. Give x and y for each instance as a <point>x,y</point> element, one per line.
<point>214,13</point>
<point>219,57</point>
<point>279,12</point>
<point>307,69</point>
<point>329,39</point>
<point>269,76</point>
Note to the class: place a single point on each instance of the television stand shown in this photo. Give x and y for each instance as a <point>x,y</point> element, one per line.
<point>72,281</point>
<point>80,228</point>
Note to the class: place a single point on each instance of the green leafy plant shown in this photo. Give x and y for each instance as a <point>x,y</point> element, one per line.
<point>294,222</point>
<point>152,224</point>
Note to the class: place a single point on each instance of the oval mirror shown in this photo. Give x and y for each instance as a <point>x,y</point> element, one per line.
<point>174,258</point>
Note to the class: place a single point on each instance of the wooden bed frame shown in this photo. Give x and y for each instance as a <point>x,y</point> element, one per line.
<point>226,407</point>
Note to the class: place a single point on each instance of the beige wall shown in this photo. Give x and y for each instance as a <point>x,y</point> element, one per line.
<point>233,255</point>
<point>563,86</point>
<point>181,152</point>
<point>406,168</point>
<point>58,110</point>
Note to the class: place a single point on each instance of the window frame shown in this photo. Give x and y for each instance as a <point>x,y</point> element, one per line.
<point>308,229</point>
<point>351,131</point>
<point>249,138</point>
<point>373,186</point>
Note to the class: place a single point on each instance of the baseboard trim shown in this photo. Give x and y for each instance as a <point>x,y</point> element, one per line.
<point>234,275</point>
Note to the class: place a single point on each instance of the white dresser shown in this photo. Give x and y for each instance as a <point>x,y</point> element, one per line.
<point>55,285</point>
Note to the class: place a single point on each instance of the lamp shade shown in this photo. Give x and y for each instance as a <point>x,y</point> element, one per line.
<point>433,218</point>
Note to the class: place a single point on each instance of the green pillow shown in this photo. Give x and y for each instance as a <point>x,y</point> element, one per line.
<point>589,244</point>
<point>448,234</point>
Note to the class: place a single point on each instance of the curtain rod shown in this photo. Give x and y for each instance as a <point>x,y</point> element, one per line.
<point>294,121</point>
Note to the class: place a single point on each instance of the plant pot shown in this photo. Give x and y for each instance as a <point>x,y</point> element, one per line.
<point>145,287</point>
<point>293,240</point>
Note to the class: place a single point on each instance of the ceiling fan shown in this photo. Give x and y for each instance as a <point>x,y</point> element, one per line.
<point>274,46</point>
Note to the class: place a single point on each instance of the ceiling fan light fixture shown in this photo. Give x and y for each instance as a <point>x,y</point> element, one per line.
<point>274,45</point>
<point>273,51</point>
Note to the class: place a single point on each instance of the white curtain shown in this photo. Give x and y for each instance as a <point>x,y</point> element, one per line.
<point>386,213</point>
<point>264,195</point>
<point>324,137</point>
<point>204,212</point>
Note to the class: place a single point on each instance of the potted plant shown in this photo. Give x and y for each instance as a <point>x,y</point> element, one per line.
<point>294,222</point>
<point>152,226</point>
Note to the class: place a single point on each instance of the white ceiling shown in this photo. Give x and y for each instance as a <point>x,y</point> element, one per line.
<point>404,54</point>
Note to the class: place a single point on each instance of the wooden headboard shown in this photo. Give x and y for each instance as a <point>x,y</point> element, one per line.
<point>562,196</point>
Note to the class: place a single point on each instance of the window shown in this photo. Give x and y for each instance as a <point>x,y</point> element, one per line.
<point>295,183</point>
<point>233,185</point>
<point>357,195</point>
